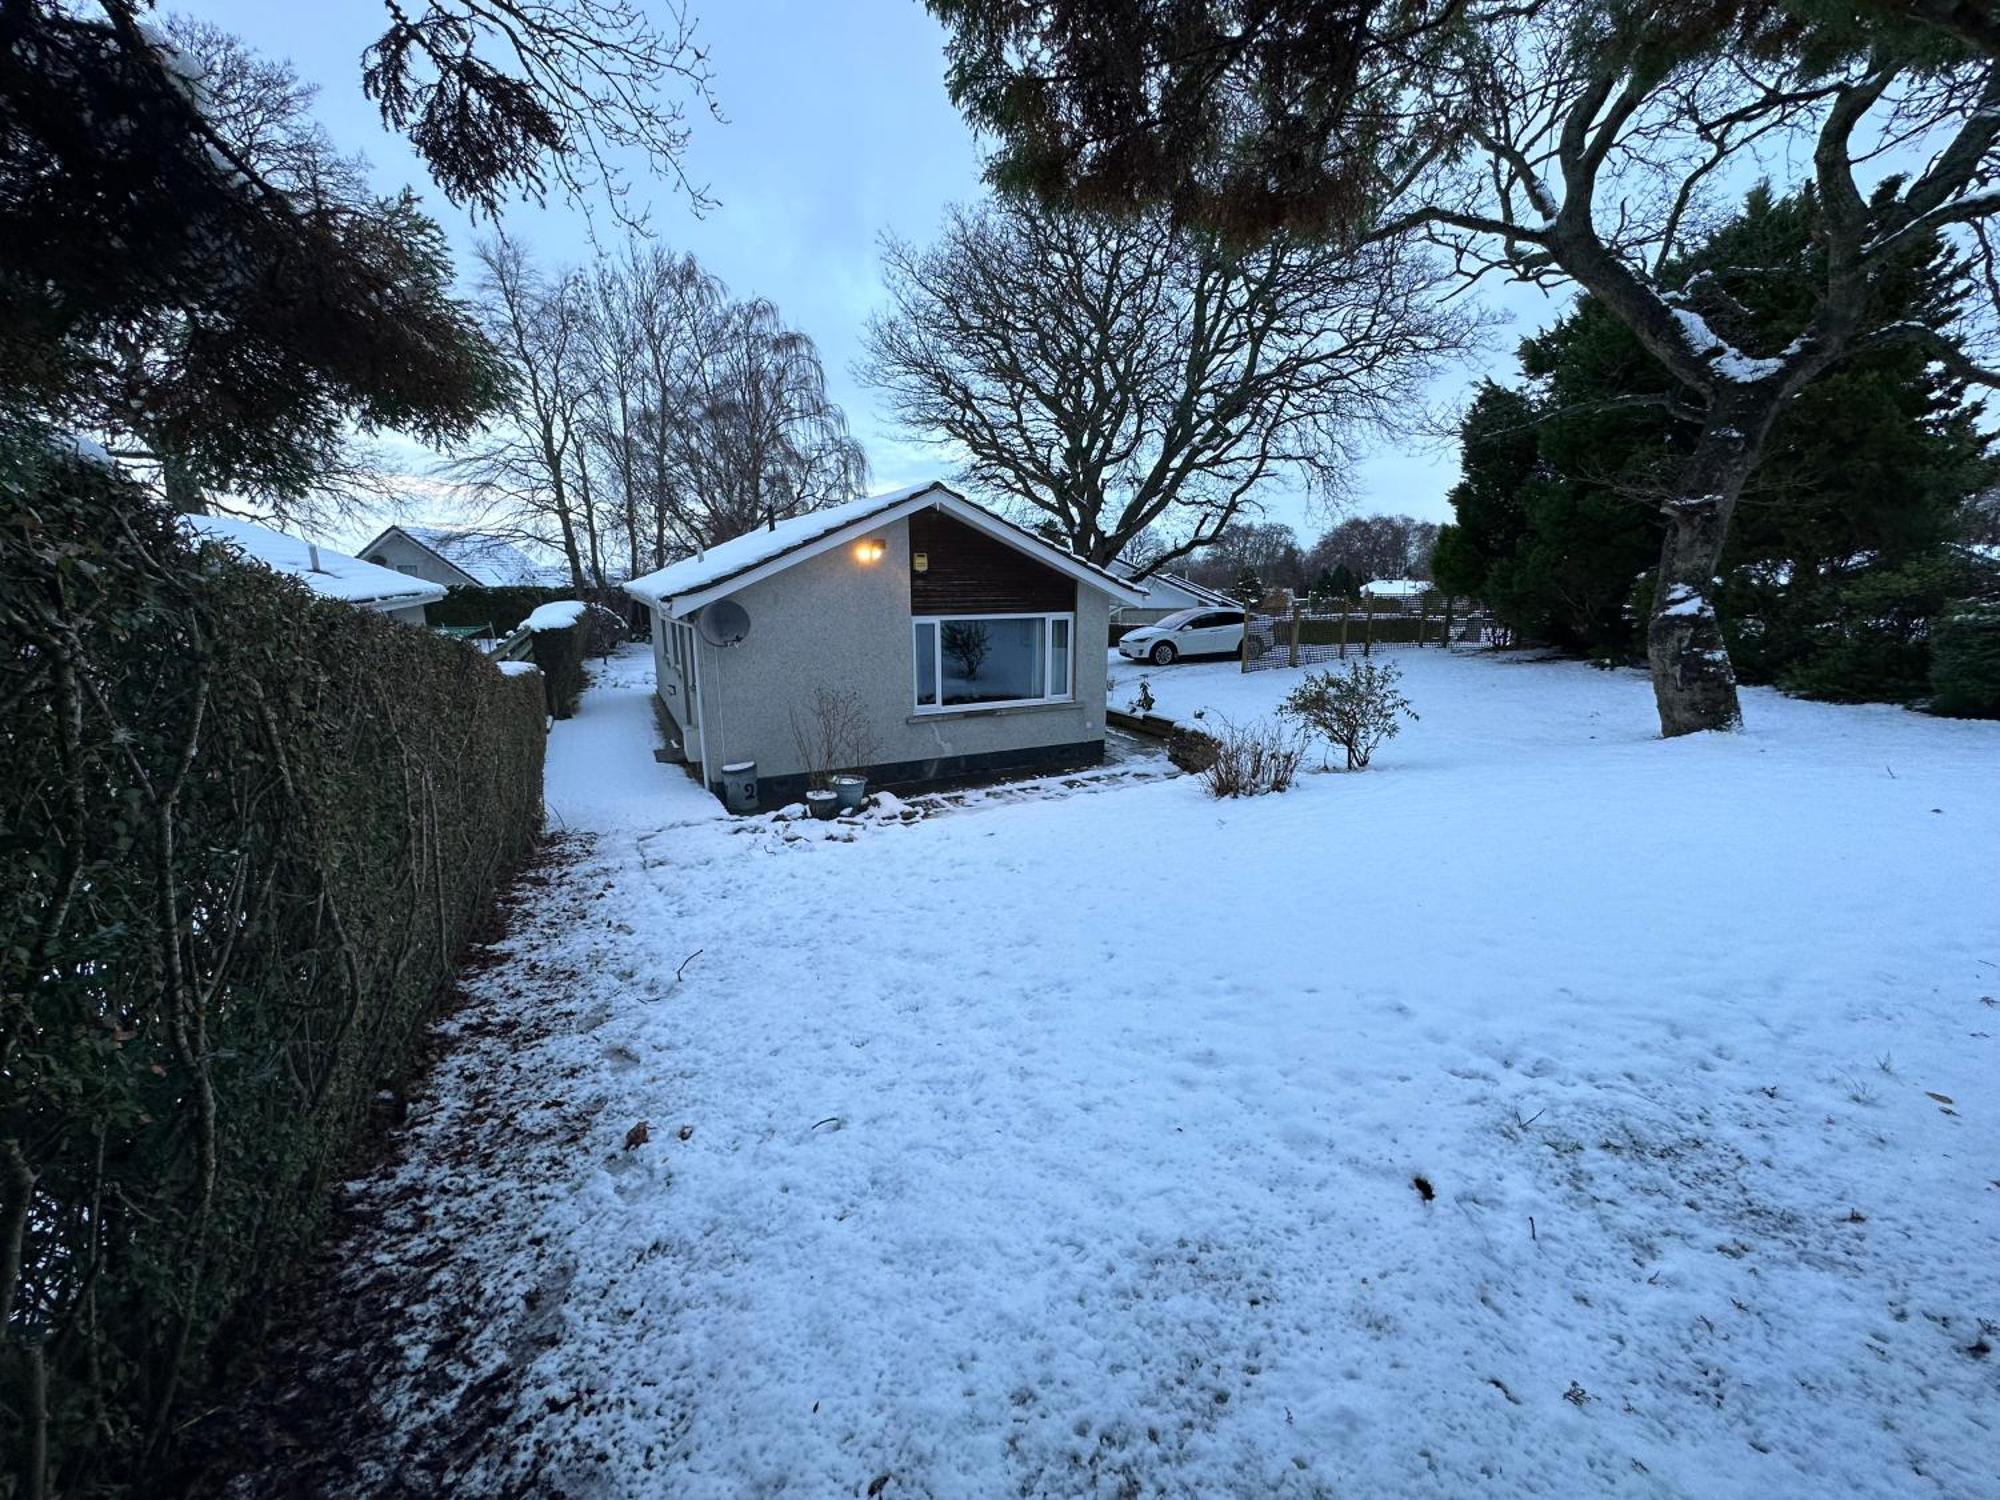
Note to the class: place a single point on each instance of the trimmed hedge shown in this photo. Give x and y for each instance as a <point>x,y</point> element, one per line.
<point>502,608</point>
<point>559,653</point>
<point>506,608</point>
<point>244,834</point>
<point>1387,630</point>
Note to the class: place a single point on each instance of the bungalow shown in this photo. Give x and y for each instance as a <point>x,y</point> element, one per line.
<point>458,558</point>
<point>321,569</point>
<point>1166,594</point>
<point>912,636</point>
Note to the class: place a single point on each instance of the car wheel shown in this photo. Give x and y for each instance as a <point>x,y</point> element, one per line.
<point>1163,654</point>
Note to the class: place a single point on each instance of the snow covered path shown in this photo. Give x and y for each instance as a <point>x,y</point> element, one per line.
<point>601,775</point>
<point>1071,1147</point>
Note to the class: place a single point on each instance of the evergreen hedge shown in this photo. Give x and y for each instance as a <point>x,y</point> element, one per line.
<point>501,608</point>
<point>1965,662</point>
<point>244,833</point>
<point>559,653</point>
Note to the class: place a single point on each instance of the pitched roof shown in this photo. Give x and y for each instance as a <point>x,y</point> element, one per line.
<point>482,556</point>
<point>323,570</point>
<point>1157,585</point>
<point>694,581</point>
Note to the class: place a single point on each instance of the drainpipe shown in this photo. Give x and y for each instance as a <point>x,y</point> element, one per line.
<point>700,703</point>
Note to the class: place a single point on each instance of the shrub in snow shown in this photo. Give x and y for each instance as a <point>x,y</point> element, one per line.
<point>1356,710</point>
<point>832,733</point>
<point>1191,750</point>
<point>1250,760</point>
<point>1142,701</point>
<point>1965,663</point>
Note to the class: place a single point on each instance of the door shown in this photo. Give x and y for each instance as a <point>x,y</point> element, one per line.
<point>1216,632</point>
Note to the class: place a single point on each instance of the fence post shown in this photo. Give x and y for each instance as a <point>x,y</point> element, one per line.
<point>1423,618</point>
<point>1296,608</point>
<point>1243,646</point>
<point>1368,624</point>
<point>1346,609</point>
<point>1447,622</point>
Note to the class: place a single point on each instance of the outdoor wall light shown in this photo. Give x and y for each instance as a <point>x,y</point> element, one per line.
<point>870,551</point>
<point>920,562</point>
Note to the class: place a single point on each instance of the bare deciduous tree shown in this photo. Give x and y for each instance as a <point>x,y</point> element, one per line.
<point>1116,374</point>
<point>652,416</point>
<point>1541,139</point>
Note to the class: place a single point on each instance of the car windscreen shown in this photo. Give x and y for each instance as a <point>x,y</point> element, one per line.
<point>1179,618</point>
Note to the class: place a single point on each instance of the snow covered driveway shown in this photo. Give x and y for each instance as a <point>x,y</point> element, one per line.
<point>977,1162</point>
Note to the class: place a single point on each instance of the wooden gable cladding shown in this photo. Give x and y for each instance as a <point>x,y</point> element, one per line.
<point>970,573</point>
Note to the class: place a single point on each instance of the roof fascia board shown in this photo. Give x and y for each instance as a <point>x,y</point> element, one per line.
<point>679,606</point>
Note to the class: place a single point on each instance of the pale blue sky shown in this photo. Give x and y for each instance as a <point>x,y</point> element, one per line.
<point>838,128</point>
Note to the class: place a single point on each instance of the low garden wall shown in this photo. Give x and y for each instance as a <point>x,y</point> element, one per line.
<point>246,834</point>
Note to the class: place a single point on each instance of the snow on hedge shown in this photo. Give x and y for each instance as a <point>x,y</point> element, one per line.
<point>559,615</point>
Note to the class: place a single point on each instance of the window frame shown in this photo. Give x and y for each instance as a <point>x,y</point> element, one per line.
<point>1049,652</point>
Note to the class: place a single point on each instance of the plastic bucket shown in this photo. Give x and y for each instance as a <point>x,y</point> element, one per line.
<point>739,786</point>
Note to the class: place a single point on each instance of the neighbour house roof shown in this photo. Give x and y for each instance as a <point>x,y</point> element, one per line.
<point>323,570</point>
<point>484,558</point>
<point>1160,585</point>
<point>1399,588</point>
<point>685,586</point>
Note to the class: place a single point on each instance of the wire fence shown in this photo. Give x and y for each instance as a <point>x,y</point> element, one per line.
<point>1301,636</point>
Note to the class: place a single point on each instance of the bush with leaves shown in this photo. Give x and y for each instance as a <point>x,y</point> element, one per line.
<point>1356,710</point>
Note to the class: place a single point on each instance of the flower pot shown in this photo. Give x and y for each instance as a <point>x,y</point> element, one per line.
<point>849,791</point>
<point>824,804</point>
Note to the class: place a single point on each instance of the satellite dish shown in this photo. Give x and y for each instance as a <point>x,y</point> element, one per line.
<point>723,623</point>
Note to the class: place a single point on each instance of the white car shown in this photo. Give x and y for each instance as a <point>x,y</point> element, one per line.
<point>1196,632</point>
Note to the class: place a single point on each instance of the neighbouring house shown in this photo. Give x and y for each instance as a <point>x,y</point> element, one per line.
<point>1166,594</point>
<point>1400,593</point>
<point>914,636</point>
<point>460,558</point>
<point>323,570</point>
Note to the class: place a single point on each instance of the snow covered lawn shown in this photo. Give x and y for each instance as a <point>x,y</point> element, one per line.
<point>1072,1146</point>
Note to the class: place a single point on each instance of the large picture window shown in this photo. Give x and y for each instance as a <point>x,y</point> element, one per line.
<point>992,661</point>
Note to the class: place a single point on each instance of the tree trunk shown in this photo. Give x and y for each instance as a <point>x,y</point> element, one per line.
<point>184,496</point>
<point>1693,681</point>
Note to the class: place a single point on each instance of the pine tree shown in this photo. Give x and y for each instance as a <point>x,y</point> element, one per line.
<point>1866,473</point>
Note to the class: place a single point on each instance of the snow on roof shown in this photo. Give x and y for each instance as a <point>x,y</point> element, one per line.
<point>738,555</point>
<point>492,560</point>
<point>560,614</point>
<point>332,574</point>
<point>1398,588</point>
<point>1162,585</point>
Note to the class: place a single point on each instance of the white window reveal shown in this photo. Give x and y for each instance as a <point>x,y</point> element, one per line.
<point>992,661</point>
